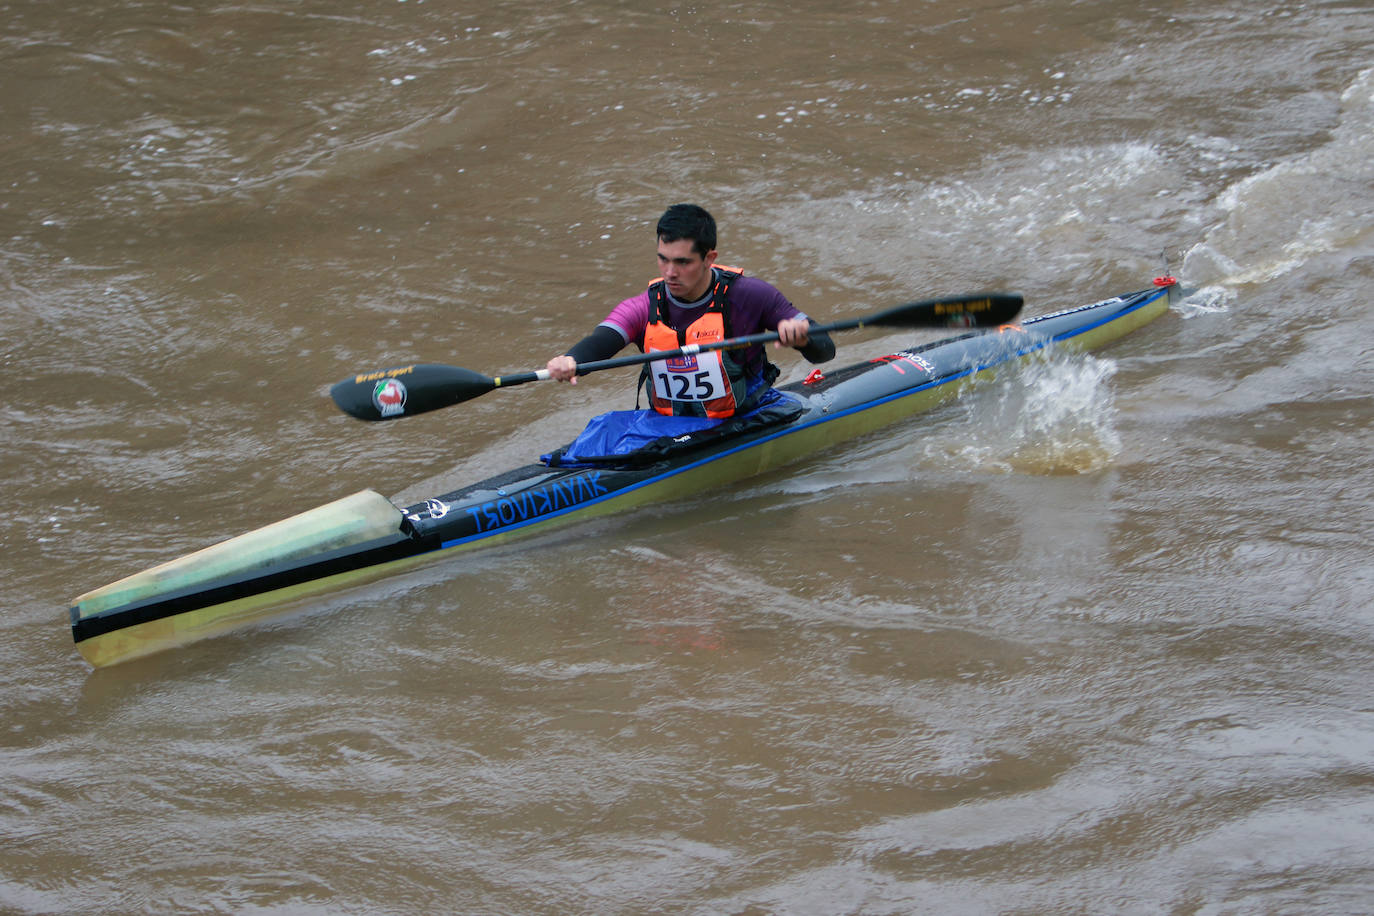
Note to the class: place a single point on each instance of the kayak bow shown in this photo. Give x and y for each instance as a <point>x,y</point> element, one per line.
<point>365,536</point>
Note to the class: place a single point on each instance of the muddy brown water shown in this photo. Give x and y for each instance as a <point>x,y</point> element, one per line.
<point>1094,638</point>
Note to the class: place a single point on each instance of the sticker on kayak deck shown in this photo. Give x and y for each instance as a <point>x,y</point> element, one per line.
<point>532,504</point>
<point>432,509</point>
<point>390,397</point>
<point>920,362</point>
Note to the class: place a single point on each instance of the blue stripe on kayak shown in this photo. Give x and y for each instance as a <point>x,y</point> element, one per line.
<point>788,430</point>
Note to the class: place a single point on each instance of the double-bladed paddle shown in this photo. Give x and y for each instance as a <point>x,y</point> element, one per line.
<point>408,390</point>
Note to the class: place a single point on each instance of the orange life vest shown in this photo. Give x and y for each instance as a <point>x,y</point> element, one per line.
<point>710,384</point>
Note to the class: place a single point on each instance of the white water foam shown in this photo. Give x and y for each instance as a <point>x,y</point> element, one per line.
<point>1030,219</point>
<point>1053,414</point>
<point>1278,220</point>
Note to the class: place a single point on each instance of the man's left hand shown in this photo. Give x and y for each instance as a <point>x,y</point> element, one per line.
<point>794,332</point>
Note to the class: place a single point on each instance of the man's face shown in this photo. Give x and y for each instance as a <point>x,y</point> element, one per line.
<point>687,274</point>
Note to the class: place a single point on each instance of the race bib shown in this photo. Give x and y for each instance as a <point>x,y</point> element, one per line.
<point>700,377</point>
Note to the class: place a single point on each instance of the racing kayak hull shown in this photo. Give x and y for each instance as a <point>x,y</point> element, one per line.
<point>364,536</point>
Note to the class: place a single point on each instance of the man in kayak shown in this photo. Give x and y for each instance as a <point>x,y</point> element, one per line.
<point>698,301</point>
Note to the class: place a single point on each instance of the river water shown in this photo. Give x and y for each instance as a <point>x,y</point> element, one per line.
<point>1097,637</point>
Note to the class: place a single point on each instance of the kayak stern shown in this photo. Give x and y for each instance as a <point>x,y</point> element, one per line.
<point>130,617</point>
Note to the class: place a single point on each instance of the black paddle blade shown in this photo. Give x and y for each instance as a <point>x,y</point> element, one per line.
<point>977,310</point>
<point>403,392</point>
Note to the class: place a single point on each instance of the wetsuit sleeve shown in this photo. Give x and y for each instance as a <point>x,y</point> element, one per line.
<point>602,343</point>
<point>819,349</point>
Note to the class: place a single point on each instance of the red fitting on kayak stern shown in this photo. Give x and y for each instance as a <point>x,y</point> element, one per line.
<point>815,376</point>
<point>1166,281</point>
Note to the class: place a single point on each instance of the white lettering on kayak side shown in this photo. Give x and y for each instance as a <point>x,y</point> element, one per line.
<point>545,500</point>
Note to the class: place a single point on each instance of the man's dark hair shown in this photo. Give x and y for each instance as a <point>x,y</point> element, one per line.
<point>688,221</point>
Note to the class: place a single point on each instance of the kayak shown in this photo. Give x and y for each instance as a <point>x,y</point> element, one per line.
<point>365,536</point>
